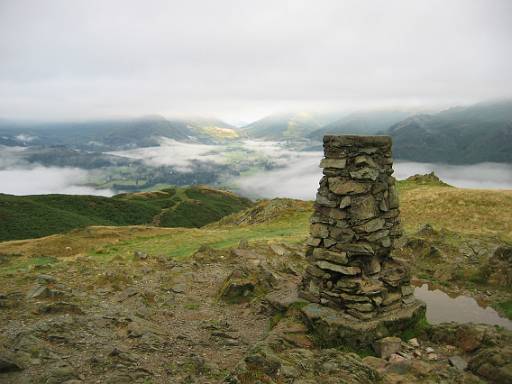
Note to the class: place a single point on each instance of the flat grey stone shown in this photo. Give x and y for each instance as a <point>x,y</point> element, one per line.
<point>458,362</point>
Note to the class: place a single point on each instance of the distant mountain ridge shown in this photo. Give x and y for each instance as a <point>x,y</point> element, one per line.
<point>363,123</point>
<point>114,134</point>
<point>462,135</point>
<point>459,135</point>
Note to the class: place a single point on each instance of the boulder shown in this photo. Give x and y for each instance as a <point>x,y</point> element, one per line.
<point>493,364</point>
<point>458,362</point>
<point>46,279</point>
<point>60,374</point>
<point>237,291</point>
<point>8,365</point>
<point>38,292</point>
<point>387,346</point>
<point>60,307</point>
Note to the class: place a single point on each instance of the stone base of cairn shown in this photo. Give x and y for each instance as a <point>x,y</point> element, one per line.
<point>358,292</point>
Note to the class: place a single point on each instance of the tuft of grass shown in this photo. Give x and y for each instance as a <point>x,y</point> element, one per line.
<point>192,306</point>
<point>362,352</point>
<point>506,308</point>
<point>481,275</point>
<point>275,319</point>
<point>419,328</point>
<point>22,264</point>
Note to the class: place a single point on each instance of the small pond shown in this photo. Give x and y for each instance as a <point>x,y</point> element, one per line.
<point>461,309</point>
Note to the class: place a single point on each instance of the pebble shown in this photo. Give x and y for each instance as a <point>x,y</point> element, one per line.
<point>396,358</point>
<point>140,255</point>
<point>38,292</point>
<point>405,355</point>
<point>46,279</point>
<point>178,288</point>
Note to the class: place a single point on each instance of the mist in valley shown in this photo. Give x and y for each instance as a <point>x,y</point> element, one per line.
<point>38,180</point>
<point>290,173</point>
<point>299,179</point>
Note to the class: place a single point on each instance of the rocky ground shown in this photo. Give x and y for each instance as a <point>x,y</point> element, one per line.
<point>229,315</point>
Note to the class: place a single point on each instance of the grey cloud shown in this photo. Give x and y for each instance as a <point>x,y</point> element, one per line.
<point>63,59</point>
<point>175,153</point>
<point>19,177</point>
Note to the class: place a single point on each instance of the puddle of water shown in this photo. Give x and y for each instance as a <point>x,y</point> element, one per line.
<point>461,309</point>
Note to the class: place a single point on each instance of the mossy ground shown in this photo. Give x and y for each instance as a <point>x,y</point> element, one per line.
<point>506,308</point>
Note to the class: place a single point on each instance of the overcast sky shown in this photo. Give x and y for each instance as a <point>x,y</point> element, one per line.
<point>243,59</point>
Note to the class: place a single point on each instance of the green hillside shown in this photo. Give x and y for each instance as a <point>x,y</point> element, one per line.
<point>25,217</point>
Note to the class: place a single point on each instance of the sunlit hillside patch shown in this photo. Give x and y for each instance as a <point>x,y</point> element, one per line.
<point>221,133</point>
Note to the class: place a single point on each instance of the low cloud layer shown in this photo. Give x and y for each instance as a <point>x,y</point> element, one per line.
<point>483,175</point>
<point>300,179</point>
<point>297,174</point>
<point>19,177</point>
<point>175,153</point>
<point>182,155</point>
<point>43,180</point>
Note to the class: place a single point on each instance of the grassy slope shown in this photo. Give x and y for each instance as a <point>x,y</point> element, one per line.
<point>467,212</point>
<point>35,216</point>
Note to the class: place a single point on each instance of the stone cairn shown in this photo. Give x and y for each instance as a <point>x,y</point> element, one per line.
<point>353,228</point>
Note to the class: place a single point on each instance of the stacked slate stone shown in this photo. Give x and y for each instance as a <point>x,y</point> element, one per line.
<point>353,228</point>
